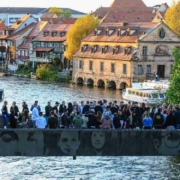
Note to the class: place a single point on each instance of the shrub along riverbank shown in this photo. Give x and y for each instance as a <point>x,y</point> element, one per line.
<point>46,72</point>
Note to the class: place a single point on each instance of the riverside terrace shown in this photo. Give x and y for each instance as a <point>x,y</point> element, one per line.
<point>74,143</point>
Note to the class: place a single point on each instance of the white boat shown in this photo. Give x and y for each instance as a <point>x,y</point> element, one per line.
<point>144,95</point>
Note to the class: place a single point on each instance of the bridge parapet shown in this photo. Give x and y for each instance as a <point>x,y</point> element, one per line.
<point>89,143</point>
<point>27,142</point>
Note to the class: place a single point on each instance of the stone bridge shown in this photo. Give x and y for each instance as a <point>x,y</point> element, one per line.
<point>33,142</point>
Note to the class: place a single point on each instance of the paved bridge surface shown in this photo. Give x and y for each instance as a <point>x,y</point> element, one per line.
<point>27,142</point>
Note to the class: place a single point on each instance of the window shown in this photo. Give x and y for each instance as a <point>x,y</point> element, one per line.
<point>62,34</point>
<point>54,34</point>
<point>127,50</point>
<point>80,65</point>
<point>148,69</point>
<point>90,65</point>
<point>140,70</point>
<point>144,50</point>
<point>162,33</point>
<point>112,67</point>
<point>101,66</point>
<point>124,68</point>
<point>115,50</point>
<point>104,49</point>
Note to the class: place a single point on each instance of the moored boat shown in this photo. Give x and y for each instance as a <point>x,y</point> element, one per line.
<point>144,95</point>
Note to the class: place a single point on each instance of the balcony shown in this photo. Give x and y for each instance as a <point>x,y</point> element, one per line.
<point>23,57</point>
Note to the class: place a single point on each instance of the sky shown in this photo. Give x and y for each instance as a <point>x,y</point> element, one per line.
<point>80,5</point>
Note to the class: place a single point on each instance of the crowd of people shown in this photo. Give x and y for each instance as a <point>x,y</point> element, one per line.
<point>92,115</point>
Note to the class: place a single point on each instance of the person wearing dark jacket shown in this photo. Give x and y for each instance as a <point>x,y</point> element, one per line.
<point>13,119</point>
<point>98,108</point>
<point>62,108</point>
<point>92,124</point>
<point>65,120</point>
<point>113,109</point>
<point>170,121</point>
<point>86,108</point>
<point>48,109</point>
<point>119,120</point>
<point>158,120</point>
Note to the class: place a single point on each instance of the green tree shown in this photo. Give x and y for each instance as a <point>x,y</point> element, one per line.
<point>172,17</point>
<point>173,93</point>
<point>60,12</point>
<point>81,28</point>
<point>66,14</point>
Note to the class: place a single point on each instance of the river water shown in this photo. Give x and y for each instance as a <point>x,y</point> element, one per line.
<point>84,168</point>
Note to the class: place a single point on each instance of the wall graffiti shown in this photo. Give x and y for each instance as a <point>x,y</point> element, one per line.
<point>89,143</point>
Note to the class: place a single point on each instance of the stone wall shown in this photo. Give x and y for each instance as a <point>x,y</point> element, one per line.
<point>29,142</point>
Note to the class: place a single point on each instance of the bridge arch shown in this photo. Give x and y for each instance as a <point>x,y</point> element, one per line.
<point>100,83</point>
<point>80,80</point>
<point>111,85</point>
<point>90,82</point>
<point>123,85</point>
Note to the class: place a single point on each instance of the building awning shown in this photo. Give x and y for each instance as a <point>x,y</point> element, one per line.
<point>42,49</point>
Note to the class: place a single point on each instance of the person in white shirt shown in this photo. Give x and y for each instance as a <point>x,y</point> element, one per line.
<point>41,121</point>
<point>35,115</point>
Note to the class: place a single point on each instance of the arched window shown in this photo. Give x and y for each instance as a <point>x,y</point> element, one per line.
<point>162,33</point>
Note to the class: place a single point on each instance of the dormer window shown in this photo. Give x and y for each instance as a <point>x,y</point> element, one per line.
<point>46,33</point>
<point>104,49</point>
<point>132,32</point>
<point>94,49</point>
<point>122,32</point>
<point>116,50</point>
<point>99,31</point>
<point>62,34</point>
<point>84,48</point>
<point>54,34</point>
<point>111,32</point>
<point>127,50</point>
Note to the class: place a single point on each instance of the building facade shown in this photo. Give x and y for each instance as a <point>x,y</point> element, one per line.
<point>49,43</point>
<point>118,54</point>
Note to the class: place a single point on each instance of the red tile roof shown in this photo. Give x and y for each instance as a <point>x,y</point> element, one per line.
<point>108,55</point>
<point>140,27</point>
<point>34,32</point>
<point>128,3</point>
<point>59,28</point>
<point>21,32</point>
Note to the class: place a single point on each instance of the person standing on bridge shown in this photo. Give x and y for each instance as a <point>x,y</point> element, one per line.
<point>5,113</point>
<point>35,114</point>
<point>41,121</point>
<point>36,105</point>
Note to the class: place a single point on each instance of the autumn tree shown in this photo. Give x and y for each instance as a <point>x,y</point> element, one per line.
<point>173,93</point>
<point>81,28</point>
<point>172,17</point>
<point>60,12</point>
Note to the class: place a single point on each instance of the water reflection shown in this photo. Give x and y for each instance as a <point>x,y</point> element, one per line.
<point>21,89</point>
